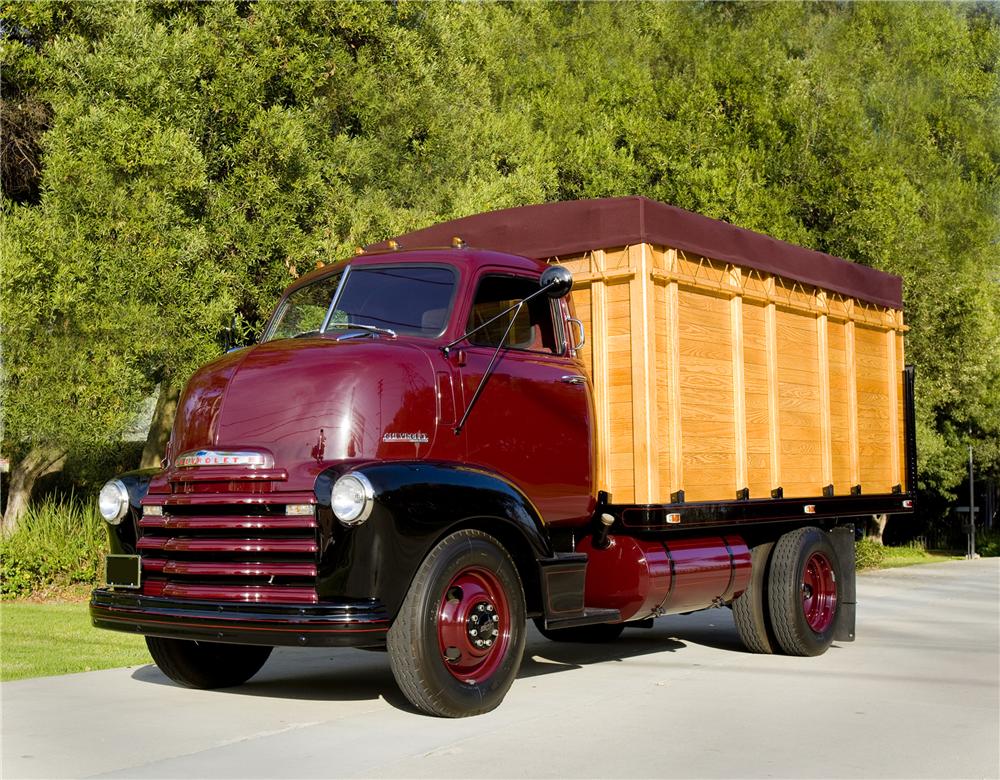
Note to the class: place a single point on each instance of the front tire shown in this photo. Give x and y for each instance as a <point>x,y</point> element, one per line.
<point>206,664</point>
<point>456,644</point>
<point>804,591</point>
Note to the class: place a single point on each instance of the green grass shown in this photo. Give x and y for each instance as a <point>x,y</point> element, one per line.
<point>872,555</point>
<point>907,556</point>
<point>38,640</point>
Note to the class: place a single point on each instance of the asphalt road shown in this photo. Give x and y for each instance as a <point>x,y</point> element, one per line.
<point>917,695</point>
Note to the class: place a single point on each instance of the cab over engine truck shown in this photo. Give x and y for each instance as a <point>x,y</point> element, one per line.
<point>617,411</point>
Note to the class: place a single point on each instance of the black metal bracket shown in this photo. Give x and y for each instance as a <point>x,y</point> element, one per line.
<point>677,498</point>
<point>828,491</point>
<point>778,492</point>
<point>743,494</point>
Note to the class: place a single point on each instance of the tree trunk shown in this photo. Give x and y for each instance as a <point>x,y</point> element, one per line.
<point>163,420</point>
<point>39,461</point>
<point>875,527</point>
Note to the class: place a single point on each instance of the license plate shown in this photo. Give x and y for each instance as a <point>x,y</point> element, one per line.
<point>123,571</point>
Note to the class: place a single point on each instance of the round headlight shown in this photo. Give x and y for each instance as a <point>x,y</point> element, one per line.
<point>113,501</point>
<point>352,498</point>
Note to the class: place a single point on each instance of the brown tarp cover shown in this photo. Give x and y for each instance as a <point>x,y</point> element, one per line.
<point>570,227</point>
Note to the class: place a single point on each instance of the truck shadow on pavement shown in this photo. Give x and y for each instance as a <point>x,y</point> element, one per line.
<point>345,674</point>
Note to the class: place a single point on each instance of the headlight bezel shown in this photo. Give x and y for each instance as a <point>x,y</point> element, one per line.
<point>117,505</point>
<point>351,519</point>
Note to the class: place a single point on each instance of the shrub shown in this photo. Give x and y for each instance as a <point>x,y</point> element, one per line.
<point>57,543</point>
<point>988,543</point>
<point>869,554</point>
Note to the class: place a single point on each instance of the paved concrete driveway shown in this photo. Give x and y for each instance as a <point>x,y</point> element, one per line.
<point>915,696</point>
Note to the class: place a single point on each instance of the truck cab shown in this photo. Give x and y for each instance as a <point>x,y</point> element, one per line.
<point>394,400</point>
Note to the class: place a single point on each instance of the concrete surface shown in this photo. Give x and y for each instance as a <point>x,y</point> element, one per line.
<point>915,696</point>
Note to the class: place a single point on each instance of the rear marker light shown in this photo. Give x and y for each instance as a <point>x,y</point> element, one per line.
<point>907,503</point>
<point>810,509</point>
<point>674,518</point>
<point>299,509</point>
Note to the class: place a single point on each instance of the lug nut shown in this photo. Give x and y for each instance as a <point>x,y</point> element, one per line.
<point>475,618</point>
<point>473,631</point>
<point>489,607</point>
<point>479,643</point>
<point>496,618</point>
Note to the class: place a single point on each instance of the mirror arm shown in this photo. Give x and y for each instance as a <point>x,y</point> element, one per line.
<point>489,368</point>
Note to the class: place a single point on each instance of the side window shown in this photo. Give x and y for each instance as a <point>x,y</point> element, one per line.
<point>532,325</point>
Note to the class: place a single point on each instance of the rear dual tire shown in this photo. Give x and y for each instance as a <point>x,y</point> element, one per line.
<point>792,600</point>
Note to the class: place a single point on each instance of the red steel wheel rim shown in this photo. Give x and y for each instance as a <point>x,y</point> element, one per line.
<point>819,592</point>
<point>472,641</point>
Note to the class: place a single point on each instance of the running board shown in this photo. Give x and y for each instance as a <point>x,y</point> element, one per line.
<point>589,617</point>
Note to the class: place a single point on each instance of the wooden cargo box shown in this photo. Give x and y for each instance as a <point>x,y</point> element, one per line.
<point>725,364</point>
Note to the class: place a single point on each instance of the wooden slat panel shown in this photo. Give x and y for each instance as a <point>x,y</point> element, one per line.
<point>758,429</point>
<point>872,365</point>
<point>739,381</point>
<point>709,456</point>
<point>799,408</point>
<point>823,355</point>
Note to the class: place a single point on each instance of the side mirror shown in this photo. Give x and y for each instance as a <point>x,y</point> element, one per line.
<point>557,281</point>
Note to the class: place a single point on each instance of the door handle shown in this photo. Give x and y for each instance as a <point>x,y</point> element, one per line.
<point>574,379</point>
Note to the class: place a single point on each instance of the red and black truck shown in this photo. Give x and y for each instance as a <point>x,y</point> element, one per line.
<point>617,411</point>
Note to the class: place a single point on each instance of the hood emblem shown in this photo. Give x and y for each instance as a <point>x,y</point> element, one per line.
<point>410,438</point>
<point>223,458</point>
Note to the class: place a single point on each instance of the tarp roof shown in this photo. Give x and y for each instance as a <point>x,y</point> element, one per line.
<point>570,227</point>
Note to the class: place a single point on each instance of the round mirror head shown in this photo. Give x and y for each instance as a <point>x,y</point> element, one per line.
<point>557,281</point>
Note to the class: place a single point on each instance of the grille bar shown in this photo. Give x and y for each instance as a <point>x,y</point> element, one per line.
<point>227,522</point>
<point>261,593</point>
<point>185,544</point>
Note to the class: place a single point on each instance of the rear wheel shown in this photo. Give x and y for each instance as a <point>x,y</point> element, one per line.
<point>206,664</point>
<point>593,634</point>
<point>456,644</point>
<point>803,591</point>
<point>751,611</point>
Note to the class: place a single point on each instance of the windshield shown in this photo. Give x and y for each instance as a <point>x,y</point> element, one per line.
<point>412,300</point>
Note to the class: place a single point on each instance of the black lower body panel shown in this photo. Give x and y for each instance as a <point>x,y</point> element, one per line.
<point>349,623</point>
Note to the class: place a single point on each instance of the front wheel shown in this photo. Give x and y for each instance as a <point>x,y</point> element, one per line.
<point>206,664</point>
<point>803,591</point>
<point>456,644</point>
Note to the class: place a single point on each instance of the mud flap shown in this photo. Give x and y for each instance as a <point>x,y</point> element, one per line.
<point>843,544</point>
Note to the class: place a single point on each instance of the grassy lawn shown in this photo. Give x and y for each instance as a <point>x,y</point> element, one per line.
<point>41,639</point>
<point>907,556</point>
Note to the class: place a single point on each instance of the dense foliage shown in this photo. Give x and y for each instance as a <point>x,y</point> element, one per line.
<point>170,165</point>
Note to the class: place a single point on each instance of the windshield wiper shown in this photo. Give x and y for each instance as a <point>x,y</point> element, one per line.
<point>359,326</point>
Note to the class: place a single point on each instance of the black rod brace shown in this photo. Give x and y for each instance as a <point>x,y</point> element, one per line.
<point>446,349</point>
